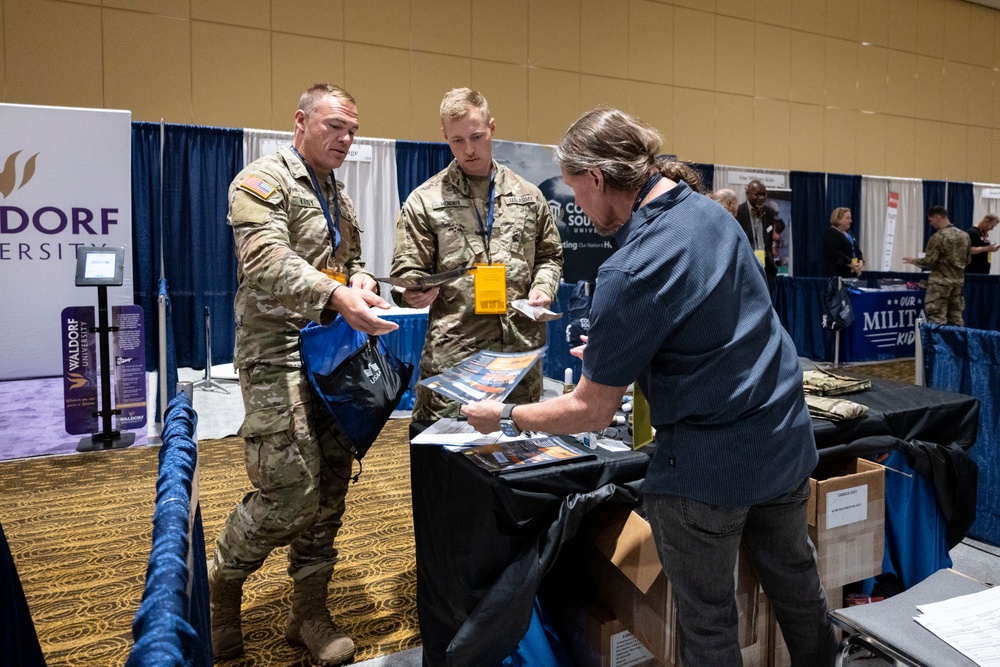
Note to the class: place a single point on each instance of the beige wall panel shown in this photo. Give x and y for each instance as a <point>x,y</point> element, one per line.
<point>598,91</point>
<point>441,26</point>
<point>734,47</point>
<point>733,137</point>
<point>841,73</point>
<point>808,68</point>
<point>431,76</point>
<point>650,42</point>
<point>996,39</point>
<point>553,103</point>
<point>809,15</point>
<point>147,65</point>
<point>900,141</point>
<point>297,62</point>
<point>53,53</point>
<point>740,9</point>
<point>654,104</point>
<point>901,91</point>
<point>694,65</point>
<point>995,157</point>
<point>227,90</point>
<point>930,83</point>
<point>930,27</point>
<point>314,18</point>
<point>772,66</point>
<point>995,104</point>
<point>694,125</point>
<point>873,74</point>
<point>180,9</point>
<point>954,152</point>
<point>980,96</point>
<point>927,148</point>
<point>805,137</point>
<point>389,26</point>
<point>771,135</point>
<point>3,58</point>
<point>842,18</point>
<point>704,5</point>
<point>955,93</point>
<point>871,144</point>
<point>604,37</point>
<point>873,22</point>
<point>554,35</point>
<point>979,142</point>
<point>981,36</point>
<point>500,30</point>
<point>774,12</point>
<point>245,13</point>
<point>505,86</point>
<point>840,131</point>
<point>384,99</point>
<point>957,27</point>
<point>903,25</point>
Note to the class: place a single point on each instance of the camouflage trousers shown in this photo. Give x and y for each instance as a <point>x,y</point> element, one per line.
<point>429,405</point>
<point>300,471</point>
<point>943,304</point>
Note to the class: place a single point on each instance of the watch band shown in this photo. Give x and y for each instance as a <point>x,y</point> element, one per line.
<point>508,409</point>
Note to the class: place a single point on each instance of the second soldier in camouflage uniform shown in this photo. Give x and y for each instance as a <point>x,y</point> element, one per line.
<point>946,256</point>
<point>298,248</point>
<point>444,225</point>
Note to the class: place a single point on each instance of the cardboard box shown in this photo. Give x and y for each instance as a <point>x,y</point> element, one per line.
<point>617,554</point>
<point>595,638</point>
<point>847,520</point>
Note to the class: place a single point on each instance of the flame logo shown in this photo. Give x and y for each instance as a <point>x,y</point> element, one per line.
<point>8,177</point>
<point>76,380</point>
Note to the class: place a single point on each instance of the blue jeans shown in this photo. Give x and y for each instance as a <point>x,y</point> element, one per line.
<point>698,546</point>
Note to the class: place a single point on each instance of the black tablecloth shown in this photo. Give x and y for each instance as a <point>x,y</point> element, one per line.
<point>484,542</point>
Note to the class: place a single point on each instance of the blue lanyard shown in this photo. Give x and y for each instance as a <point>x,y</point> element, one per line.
<point>851,239</point>
<point>486,231</point>
<point>334,227</point>
<point>645,190</point>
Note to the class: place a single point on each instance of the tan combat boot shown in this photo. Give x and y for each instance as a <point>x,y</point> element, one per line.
<point>309,623</point>
<point>226,597</point>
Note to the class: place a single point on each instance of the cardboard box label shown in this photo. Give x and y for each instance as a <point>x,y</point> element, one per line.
<point>845,506</point>
<point>626,650</point>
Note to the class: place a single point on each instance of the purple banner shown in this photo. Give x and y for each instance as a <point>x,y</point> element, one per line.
<point>79,345</point>
<point>130,366</point>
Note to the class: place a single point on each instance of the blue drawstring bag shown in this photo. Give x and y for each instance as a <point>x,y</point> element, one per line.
<point>358,380</point>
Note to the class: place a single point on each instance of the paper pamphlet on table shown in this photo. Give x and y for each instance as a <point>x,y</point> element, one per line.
<point>537,313</point>
<point>967,623</point>
<point>484,375</point>
<point>426,282</point>
<point>455,433</point>
<point>504,457</point>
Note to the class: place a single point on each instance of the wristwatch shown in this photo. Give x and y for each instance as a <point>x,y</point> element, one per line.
<point>507,425</point>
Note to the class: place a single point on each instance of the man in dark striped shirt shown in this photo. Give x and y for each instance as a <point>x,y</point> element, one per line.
<point>690,321</point>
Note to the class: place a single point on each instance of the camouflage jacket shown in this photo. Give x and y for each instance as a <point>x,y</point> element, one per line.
<point>282,242</point>
<point>438,230</point>
<point>947,256</point>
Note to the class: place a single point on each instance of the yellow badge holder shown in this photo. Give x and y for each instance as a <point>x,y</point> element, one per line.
<point>760,257</point>
<point>490,284</point>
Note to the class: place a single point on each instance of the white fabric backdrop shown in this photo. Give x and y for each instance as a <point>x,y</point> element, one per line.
<point>371,186</point>
<point>981,207</point>
<point>909,241</point>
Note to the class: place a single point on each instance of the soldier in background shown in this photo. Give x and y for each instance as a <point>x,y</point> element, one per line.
<point>298,247</point>
<point>946,256</point>
<point>475,211</point>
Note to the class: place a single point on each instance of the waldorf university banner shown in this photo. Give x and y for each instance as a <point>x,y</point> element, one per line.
<point>64,183</point>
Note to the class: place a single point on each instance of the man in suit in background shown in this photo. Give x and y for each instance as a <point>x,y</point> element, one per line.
<point>757,221</point>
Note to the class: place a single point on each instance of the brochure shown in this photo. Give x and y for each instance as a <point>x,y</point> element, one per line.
<point>426,282</point>
<point>536,313</point>
<point>484,375</point>
<point>504,457</point>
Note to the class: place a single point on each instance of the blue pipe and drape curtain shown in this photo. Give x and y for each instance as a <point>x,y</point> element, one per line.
<point>845,190</point>
<point>416,161</point>
<point>810,219</point>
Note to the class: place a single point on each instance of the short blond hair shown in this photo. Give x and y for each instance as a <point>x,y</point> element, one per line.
<point>458,102</point>
<point>311,97</point>
<point>838,213</point>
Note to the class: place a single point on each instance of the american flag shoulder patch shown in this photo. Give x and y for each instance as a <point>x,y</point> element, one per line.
<point>254,185</point>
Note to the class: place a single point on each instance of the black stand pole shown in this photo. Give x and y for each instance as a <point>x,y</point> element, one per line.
<point>107,438</point>
<point>208,383</point>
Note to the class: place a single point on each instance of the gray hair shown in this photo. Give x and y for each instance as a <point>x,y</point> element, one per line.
<point>310,99</point>
<point>620,146</point>
<point>724,196</point>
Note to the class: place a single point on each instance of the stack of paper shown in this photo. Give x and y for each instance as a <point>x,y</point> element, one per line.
<point>968,623</point>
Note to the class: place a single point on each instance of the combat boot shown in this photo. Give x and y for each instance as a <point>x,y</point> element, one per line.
<point>226,597</point>
<point>309,623</point>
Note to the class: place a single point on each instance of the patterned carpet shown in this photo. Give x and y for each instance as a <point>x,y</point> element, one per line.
<point>79,529</point>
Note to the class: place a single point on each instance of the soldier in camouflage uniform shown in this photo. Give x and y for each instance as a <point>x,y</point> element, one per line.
<point>946,256</point>
<point>444,225</point>
<point>299,251</point>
